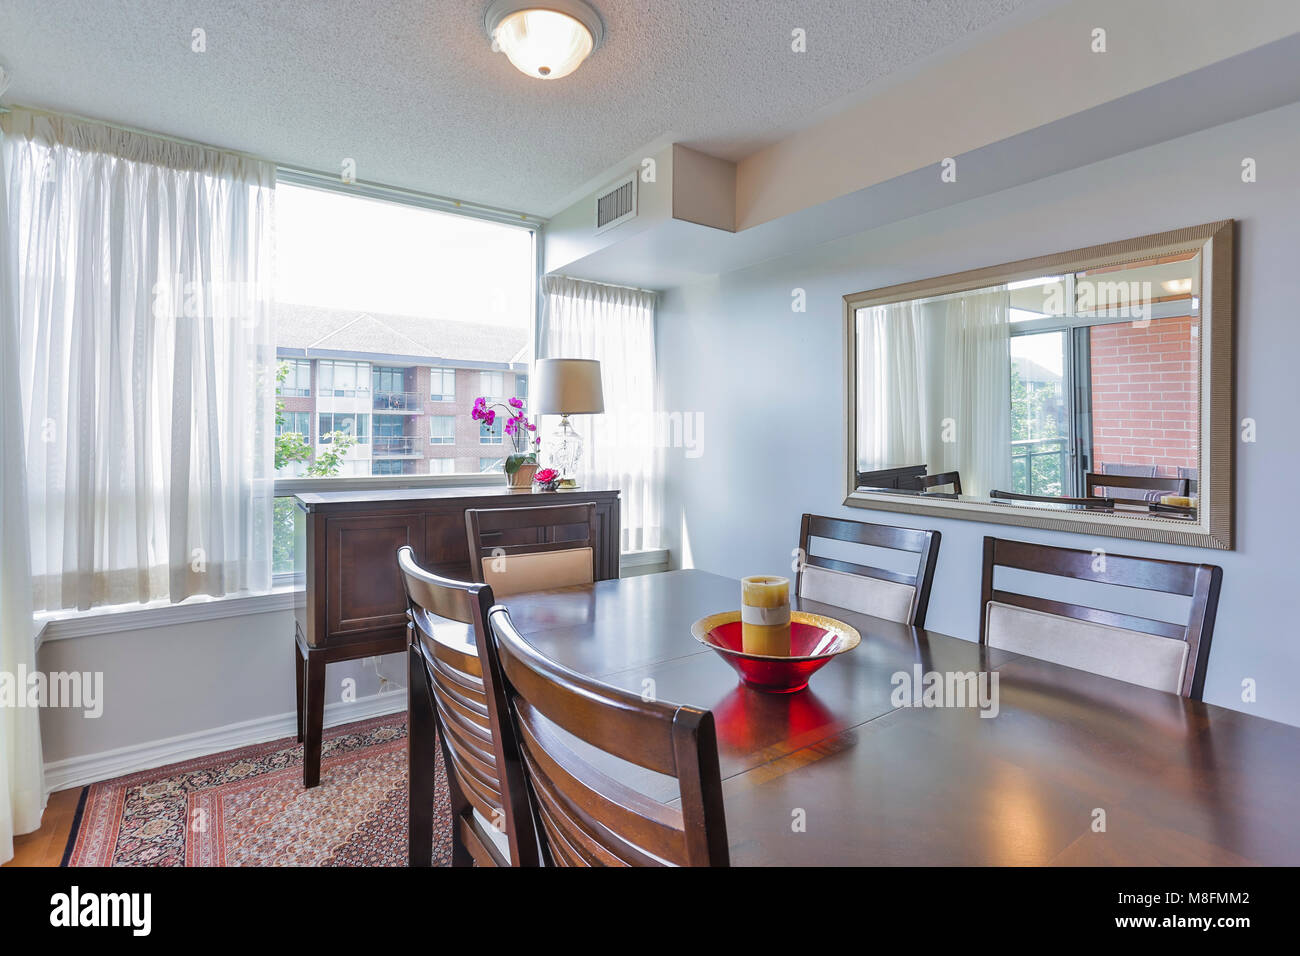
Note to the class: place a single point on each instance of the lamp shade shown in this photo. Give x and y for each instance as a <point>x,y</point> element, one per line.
<point>567,387</point>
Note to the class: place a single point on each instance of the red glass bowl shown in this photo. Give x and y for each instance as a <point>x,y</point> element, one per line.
<point>814,640</point>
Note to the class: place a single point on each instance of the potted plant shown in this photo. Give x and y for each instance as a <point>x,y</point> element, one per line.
<point>522,463</point>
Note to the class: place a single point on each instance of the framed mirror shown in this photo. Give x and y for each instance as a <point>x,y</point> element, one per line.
<point>1087,391</point>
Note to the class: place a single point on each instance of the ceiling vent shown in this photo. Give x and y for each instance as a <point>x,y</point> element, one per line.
<point>616,203</point>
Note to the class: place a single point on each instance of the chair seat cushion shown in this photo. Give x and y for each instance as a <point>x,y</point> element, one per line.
<point>856,592</point>
<point>538,570</point>
<point>1132,656</point>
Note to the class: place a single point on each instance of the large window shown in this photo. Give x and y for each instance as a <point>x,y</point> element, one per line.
<point>492,384</point>
<point>372,295</point>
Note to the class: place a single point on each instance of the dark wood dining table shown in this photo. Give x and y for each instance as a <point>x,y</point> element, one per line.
<point>1074,769</point>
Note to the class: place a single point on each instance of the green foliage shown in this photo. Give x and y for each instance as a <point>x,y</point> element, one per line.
<point>1038,468</point>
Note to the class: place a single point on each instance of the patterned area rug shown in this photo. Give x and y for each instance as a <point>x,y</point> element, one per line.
<point>248,807</point>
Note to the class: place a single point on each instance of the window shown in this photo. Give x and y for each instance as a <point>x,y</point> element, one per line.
<point>291,422</point>
<point>344,379</point>
<point>442,431</point>
<point>297,383</point>
<point>492,384</point>
<point>489,434</point>
<point>521,387</point>
<point>355,281</point>
<point>491,465</point>
<point>442,384</point>
<point>357,426</point>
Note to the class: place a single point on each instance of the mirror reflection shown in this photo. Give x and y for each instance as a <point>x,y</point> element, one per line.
<point>1078,390</point>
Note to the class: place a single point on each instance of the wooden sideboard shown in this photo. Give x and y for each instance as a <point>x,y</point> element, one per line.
<point>353,605</point>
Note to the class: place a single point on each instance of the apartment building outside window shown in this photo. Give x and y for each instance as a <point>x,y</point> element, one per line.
<point>356,426</point>
<point>344,379</point>
<point>492,385</point>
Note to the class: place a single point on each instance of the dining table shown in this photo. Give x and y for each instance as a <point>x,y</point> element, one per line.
<point>1069,768</point>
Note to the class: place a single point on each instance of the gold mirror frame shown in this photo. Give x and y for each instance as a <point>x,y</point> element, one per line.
<point>1217,441</point>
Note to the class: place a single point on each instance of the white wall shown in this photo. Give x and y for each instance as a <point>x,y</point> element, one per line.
<point>768,381</point>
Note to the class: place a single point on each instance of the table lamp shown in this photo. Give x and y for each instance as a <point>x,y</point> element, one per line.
<point>564,387</point>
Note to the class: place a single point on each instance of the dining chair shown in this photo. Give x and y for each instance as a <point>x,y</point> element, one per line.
<point>901,596</point>
<point>1143,488</point>
<point>1154,653</point>
<point>569,729</point>
<point>451,697</point>
<point>943,478</point>
<point>532,549</point>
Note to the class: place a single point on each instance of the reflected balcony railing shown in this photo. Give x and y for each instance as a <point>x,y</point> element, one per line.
<point>410,402</point>
<point>1040,466</point>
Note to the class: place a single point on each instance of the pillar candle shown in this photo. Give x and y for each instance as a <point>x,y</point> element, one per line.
<point>765,615</point>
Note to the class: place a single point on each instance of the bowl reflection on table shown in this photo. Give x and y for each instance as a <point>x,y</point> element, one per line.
<point>814,640</point>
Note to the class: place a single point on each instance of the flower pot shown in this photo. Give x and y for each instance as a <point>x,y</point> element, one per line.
<point>522,476</point>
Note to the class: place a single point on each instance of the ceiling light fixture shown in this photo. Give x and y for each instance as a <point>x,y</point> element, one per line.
<point>546,39</point>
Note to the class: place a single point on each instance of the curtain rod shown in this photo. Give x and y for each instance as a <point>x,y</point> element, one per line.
<point>303,174</point>
<point>612,285</point>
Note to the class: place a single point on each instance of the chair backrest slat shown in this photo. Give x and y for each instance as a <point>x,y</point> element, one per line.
<point>943,478</point>
<point>1093,480</point>
<point>467,709</point>
<point>586,816</point>
<point>1200,582</point>
<point>503,533</point>
<point>924,544</point>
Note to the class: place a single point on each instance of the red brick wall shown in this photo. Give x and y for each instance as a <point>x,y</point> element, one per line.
<point>1144,388</point>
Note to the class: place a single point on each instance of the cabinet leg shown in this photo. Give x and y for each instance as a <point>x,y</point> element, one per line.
<point>314,720</point>
<point>298,678</point>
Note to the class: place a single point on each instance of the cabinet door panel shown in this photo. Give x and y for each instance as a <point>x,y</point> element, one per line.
<point>365,588</point>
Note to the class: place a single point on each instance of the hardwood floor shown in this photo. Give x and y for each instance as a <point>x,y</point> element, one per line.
<point>45,847</point>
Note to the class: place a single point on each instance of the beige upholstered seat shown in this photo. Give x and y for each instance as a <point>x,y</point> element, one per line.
<point>886,599</point>
<point>1145,659</point>
<point>537,571</point>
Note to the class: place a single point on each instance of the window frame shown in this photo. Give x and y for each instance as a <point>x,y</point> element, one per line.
<point>441,372</point>
<point>442,439</point>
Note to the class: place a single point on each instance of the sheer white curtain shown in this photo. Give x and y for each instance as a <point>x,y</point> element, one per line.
<point>615,326</point>
<point>22,784</point>
<point>977,388</point>
<point>894,426</point>
<point>143,308</point>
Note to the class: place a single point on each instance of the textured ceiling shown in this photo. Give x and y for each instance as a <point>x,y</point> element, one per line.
<point>411,91</point>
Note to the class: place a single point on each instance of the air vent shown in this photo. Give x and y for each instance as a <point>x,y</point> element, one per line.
<point>616,203</point>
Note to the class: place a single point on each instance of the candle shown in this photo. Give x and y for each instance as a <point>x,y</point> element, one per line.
<point>765,615</point>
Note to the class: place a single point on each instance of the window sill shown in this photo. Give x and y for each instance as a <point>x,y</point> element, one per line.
<point>70,625</point>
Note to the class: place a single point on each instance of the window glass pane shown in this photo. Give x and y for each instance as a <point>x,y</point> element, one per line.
<point>442,430</point>
<point>441,466</point>
<point>442,384</point>
<point>1040,430</point>
<point>489,434</point>
<point>487,465</point>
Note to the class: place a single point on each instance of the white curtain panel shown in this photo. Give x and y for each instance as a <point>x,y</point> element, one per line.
<point>977,388</point>
<point>615,326</point>
<point>22,785</point>
<point>894,426</point>
<point>143,308</point>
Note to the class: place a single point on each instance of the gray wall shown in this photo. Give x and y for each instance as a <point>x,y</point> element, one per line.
<point>768,381</point>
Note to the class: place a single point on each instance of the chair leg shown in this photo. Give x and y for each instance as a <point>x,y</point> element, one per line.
<point>298,680</point>
<point>314,720</point>
<point>421,740</point>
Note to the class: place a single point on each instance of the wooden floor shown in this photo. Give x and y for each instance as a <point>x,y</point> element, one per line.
<point>45,847</point>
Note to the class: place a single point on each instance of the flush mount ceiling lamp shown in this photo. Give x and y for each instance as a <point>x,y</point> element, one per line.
<point>545,39</point>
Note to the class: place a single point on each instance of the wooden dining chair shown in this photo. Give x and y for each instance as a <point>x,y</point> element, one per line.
<point>901,596</point>
<point>1154,653</point>
<point>532,549</point>
<point>943,478</point>
<point>1141,487</point>
<point>586,817</point>
<point>450,696</point>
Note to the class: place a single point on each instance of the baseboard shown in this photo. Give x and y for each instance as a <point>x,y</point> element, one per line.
<point>92,768</point>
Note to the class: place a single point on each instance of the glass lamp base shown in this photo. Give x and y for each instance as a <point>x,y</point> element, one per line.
<point>565,448</point>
